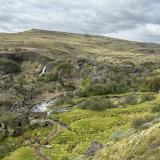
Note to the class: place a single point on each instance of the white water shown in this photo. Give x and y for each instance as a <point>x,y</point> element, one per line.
<point>43,71</point>
<point>44,107</point>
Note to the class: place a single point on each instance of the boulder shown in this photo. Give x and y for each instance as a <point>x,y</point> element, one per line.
<point>42,123</point>
<point>94,148</point>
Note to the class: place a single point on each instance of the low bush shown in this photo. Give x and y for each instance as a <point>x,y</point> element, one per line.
<point>156,108</point>
<point>65,99</point>
<point>153,84</point>
<point>2,136</point>
<point>64,69</point>
<point>147,97</point>
<point>140,121</point>
<point>48,77</point>
<point>102,89</point>
<point>98,104</point>
<point>131,99</point>
<point>22,79</point>
<point>121,134</point>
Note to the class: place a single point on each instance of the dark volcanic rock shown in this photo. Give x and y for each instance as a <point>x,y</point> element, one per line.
<point>94,147</point>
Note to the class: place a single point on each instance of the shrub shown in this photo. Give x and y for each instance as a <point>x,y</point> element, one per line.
<point>147,97</point>
<point>65,99</point>
<point>65,68</point>
<point>153,84</point>
<point>140,121</point>
<point>48,77</point>
<point>131,99</point>
<point>156,108</point>
<point>121,134</point>
<point>22,79</point>
<point>85,83</point>
<point>97,105</point>
<point>2,136</point>
<point>17,49</point>
<point>102,89</point>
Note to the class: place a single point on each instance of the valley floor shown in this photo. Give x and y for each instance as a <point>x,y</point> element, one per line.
<point>119,129</point>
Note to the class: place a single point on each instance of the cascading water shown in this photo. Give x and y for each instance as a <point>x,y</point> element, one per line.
<point>43,71</point>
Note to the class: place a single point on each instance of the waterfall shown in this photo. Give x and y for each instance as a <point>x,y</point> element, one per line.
<point>43,71</point>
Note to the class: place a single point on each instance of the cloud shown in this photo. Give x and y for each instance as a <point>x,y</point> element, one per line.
<point>129,19</point>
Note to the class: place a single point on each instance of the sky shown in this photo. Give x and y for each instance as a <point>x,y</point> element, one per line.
<point>126,19</point>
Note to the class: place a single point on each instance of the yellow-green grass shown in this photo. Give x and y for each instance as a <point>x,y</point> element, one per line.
<point>142,145</point>
<point>85,126</point>
<point>23,153</point>
<point>75,44</point>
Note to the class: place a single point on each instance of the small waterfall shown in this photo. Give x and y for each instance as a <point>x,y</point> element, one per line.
<point>43,71</point>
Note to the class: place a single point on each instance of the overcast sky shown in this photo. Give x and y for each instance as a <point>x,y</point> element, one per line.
<point>127,19</point>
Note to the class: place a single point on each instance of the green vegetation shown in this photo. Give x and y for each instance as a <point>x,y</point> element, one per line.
<point>102,89</point>
<point>48,77</point>
<point>153,84</point>
<point>24,153</point>
<point>140,121</point>
<point>98,104</point>
<point>10,66</point>
<point>131,99</point>
<point>156,108</point>
<point>147,97</point>
<point>106,90</point>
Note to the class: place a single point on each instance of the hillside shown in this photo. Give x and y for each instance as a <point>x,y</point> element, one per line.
<point>67,96</point>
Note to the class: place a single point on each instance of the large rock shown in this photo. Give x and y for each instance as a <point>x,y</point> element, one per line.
<point>42,123</point>
<point>94,148</point>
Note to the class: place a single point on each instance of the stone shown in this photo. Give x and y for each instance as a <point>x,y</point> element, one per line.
<point>48,146</point>
<point>94,148</point>
<point>42,123</point>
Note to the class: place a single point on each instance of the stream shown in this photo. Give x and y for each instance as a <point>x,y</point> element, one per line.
<point>46,107</point>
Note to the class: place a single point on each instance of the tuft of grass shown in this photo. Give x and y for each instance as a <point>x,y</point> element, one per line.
<point>25,153</point>
<point>153,84</point>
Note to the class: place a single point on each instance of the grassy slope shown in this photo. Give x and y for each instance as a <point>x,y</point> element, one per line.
<point>67,44</point>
